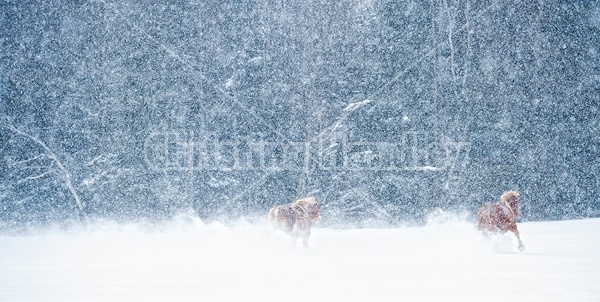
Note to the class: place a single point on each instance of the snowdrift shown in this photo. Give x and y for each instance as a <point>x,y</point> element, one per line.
<point>187,260</point>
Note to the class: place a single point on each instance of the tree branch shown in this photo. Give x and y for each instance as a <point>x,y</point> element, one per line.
<point>36,176</point>
<point>64,173</point>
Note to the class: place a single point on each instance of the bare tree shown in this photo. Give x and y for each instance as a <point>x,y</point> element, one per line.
<point>60,170</point>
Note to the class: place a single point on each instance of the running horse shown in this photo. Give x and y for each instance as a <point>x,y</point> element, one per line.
<point>296,218</point>
<point>501,217</point>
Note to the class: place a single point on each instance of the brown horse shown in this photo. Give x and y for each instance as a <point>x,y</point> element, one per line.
<point>296,218</point>
<point>501,217</point>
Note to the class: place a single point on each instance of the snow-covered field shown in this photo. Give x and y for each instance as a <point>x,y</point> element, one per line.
<point>446,260</point>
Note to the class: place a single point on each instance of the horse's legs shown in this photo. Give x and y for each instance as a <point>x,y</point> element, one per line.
<point>521,245</point>
<point>293,240</point>
<point>305,238</point>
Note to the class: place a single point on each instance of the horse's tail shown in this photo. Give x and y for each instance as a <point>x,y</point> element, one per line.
<point>484,216</point>
<point>271,214</point>
<point>283,217</point>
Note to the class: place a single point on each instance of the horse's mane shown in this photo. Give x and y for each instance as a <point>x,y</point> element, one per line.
<point>305,202</point>
<point>511,200</point>
<point>509,196</point>
<point>308,206</point>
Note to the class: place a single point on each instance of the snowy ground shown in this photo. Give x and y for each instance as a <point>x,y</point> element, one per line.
<point>189,261</point>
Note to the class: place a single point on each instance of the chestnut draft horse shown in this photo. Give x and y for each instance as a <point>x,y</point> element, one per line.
<point>501,217</point>
<point>296,218</point>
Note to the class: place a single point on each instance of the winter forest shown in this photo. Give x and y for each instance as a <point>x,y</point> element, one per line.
<point>383,110</point>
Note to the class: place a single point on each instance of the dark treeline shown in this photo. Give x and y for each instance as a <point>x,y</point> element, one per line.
<point>384,110</point>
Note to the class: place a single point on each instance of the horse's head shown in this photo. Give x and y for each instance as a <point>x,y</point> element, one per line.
<point>511,198</point>
<point>313,212</point>
<point>310,206</point>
